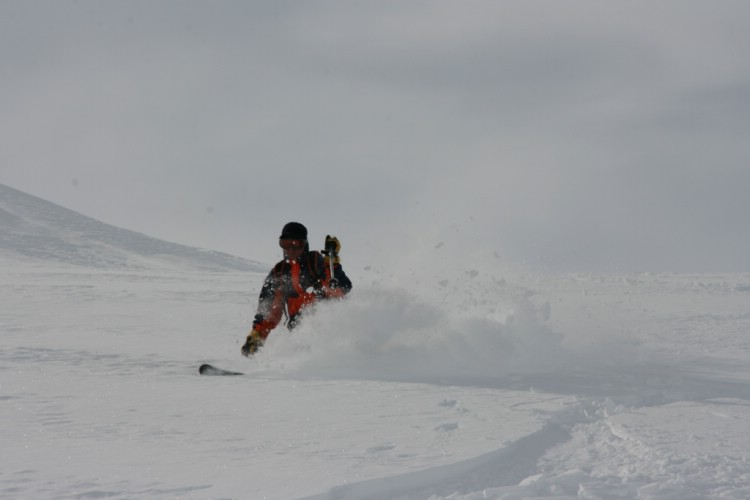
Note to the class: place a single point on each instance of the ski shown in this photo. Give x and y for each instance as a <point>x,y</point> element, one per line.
<point>206,369</point>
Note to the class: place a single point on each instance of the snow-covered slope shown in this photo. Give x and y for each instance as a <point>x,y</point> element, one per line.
<point>42,231</point>
<point>440,383</point>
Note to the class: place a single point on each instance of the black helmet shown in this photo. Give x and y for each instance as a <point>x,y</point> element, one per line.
<point>294,231</point>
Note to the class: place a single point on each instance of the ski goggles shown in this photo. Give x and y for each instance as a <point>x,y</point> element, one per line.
<point>292,244</point>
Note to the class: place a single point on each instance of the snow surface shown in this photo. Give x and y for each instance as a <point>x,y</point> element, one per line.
<point>466,385</point>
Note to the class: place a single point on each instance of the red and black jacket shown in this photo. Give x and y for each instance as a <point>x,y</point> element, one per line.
<point>291,286</point>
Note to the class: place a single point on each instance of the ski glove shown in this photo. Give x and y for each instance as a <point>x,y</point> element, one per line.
<point>252,344</point>
<point>333,247</point>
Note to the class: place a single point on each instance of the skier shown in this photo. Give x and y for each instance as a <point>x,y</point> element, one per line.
<point>298,281</point>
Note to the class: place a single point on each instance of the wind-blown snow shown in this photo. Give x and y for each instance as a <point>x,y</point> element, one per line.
<point>465,385</point>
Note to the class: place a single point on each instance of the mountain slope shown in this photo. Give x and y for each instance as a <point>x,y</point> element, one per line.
<point>37,229</point>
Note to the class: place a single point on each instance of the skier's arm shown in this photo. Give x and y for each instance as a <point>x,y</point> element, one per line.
<point>343,281</point>
<point>339,284</point>
<point>270,306</point>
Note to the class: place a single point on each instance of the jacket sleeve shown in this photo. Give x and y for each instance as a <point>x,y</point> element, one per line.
<point>344,283</point>
<point>270,306</point>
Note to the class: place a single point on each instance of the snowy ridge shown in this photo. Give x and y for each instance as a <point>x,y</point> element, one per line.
<point>507,466</point>
<point>32,228</point>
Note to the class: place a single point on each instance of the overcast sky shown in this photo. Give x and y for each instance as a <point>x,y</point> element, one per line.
<point>567,135</point>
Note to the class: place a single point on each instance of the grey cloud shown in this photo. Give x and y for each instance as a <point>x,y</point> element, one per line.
<point>579,136</point>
